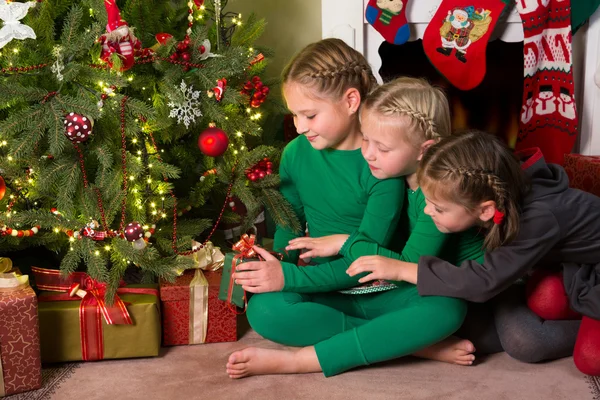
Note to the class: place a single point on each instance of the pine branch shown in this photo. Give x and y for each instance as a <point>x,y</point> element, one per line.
<point>281,211</point>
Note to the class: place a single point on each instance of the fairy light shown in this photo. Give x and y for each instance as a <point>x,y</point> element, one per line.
<point>71,239</point>
<point>139,152</point>
<point>70,248</point>
<point>139,159</point>
<point>239,134</point>
<point>107,248</point>
<point>9,158</point>
<point>134,140</point>
<point>154,212</point>
<point>149,165</point>
<point>100,83</point>
<point>97,253</point>
<point>132,178</point>
<point>149,180</point>
<point>30,181</point>
<point>130,79</point>
<point>248,110</point>
<point>56,230</point>
<point>4,143</point>
<point>16,51</point>
<point>153,205</point>
<point>235,152</point>
<point>163,215</point>
<point>140,207</point>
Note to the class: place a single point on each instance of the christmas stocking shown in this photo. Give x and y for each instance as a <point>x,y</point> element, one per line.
<point>456,38</point>
<point>388,18</point>
<point>548,115</point>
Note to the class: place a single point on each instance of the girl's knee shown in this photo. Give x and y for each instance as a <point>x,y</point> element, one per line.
<point>522,345</point>
<point>452,313</point>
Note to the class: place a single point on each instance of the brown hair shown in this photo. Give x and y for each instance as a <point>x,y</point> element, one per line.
<point>425,106</point>
<point>472,168</point>
<point>330,67</point>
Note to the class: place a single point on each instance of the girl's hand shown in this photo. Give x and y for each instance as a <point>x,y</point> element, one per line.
<point>383,268</point>
<point>260,276</point>
<point>324,246</point>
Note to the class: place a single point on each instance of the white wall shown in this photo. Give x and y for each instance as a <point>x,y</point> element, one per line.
<point>291,25</point>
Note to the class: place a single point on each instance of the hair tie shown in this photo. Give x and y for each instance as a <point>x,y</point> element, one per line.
<point>498,217</point>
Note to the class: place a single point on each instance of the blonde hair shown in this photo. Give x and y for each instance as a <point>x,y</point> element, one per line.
<point>330,67</point>
<point>474,167</point>
<point>425,106</point>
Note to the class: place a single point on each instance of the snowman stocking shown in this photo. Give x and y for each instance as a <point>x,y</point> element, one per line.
<point>456,38</point>
<point>548,115</point>
<point>388,18</point>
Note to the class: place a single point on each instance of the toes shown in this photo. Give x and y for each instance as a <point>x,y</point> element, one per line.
<point>466,357</point>
<point>465,363</point>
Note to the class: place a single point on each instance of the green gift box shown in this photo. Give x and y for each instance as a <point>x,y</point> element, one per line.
<point>237,295</point>
<point>61,338</point>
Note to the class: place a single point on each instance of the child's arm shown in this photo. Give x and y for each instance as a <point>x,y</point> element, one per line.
<point>288,189</point>
<point>501,267</point>
<point>388,195</point>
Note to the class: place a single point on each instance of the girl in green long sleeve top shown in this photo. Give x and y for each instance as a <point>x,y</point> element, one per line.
<point>300,306</point>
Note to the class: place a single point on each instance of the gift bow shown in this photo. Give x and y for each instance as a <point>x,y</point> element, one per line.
<point>11,14</point>
<point>92,306</point>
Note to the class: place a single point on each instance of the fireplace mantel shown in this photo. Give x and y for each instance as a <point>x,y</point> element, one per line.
<point>345,19</point>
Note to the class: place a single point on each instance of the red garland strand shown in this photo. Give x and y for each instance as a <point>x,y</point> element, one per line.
<point>23,69</point>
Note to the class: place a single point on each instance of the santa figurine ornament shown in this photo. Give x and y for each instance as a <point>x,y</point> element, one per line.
<point>118,39</point>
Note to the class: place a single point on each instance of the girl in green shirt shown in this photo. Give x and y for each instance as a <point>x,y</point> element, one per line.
<point>319,308</point>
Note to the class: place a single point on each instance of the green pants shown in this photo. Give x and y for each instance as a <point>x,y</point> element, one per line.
<point>353,330</point>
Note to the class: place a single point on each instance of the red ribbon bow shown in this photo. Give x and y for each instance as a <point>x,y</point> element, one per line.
<point>245,250</point>
<point>92,307</point>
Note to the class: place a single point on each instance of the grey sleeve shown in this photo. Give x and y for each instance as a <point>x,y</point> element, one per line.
<point>501,267</point>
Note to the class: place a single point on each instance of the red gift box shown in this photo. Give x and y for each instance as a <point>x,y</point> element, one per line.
<point>192,312</point>
<point>583,172</point>
<point>20,368</point>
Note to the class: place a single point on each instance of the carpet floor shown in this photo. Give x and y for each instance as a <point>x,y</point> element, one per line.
<point>198,372</point>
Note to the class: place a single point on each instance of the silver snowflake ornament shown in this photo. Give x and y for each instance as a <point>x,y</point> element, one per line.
<point>189,109</point>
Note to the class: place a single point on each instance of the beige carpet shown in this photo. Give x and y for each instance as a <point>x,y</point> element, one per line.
<point>198,372</point>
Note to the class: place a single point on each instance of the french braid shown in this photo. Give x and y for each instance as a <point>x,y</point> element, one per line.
<point>330,67</point>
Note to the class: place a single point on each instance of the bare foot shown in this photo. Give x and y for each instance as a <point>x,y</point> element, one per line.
<point>452,350</point>
<point>257,361</point>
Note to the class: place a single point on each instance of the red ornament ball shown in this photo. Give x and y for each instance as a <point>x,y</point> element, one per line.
<point>77,128</point>
<point>133,231</point>
<point>213,142</point>
<point>2,188</point>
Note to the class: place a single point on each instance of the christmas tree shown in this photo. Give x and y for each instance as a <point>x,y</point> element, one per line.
<point>127,129</point>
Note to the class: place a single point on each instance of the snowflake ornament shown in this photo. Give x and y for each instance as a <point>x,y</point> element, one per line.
<point>189,109</point>
<point>11,14</point>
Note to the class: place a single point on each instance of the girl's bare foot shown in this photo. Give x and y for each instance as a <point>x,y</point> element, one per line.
<point>452,350</point>
<point>257,361</point>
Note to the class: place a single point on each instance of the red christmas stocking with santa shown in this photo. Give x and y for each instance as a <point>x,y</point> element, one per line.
<point>548,115</point>
<point>456,38</point>
<point>388,18</point>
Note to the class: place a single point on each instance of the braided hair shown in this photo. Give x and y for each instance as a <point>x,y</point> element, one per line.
<point>474,167</point>
<point>424,106</point>
<point>330,67</point>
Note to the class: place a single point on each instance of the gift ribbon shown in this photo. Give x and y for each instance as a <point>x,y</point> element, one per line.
<point>5,264</point>
<point>208,258</point>
<point>92,307</point>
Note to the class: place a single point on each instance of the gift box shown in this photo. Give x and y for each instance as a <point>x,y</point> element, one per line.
<point>192,312</point>
<point>228,290</point>
<point>79,325</point>
<point>583,172</point>
<point>20,366</point>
